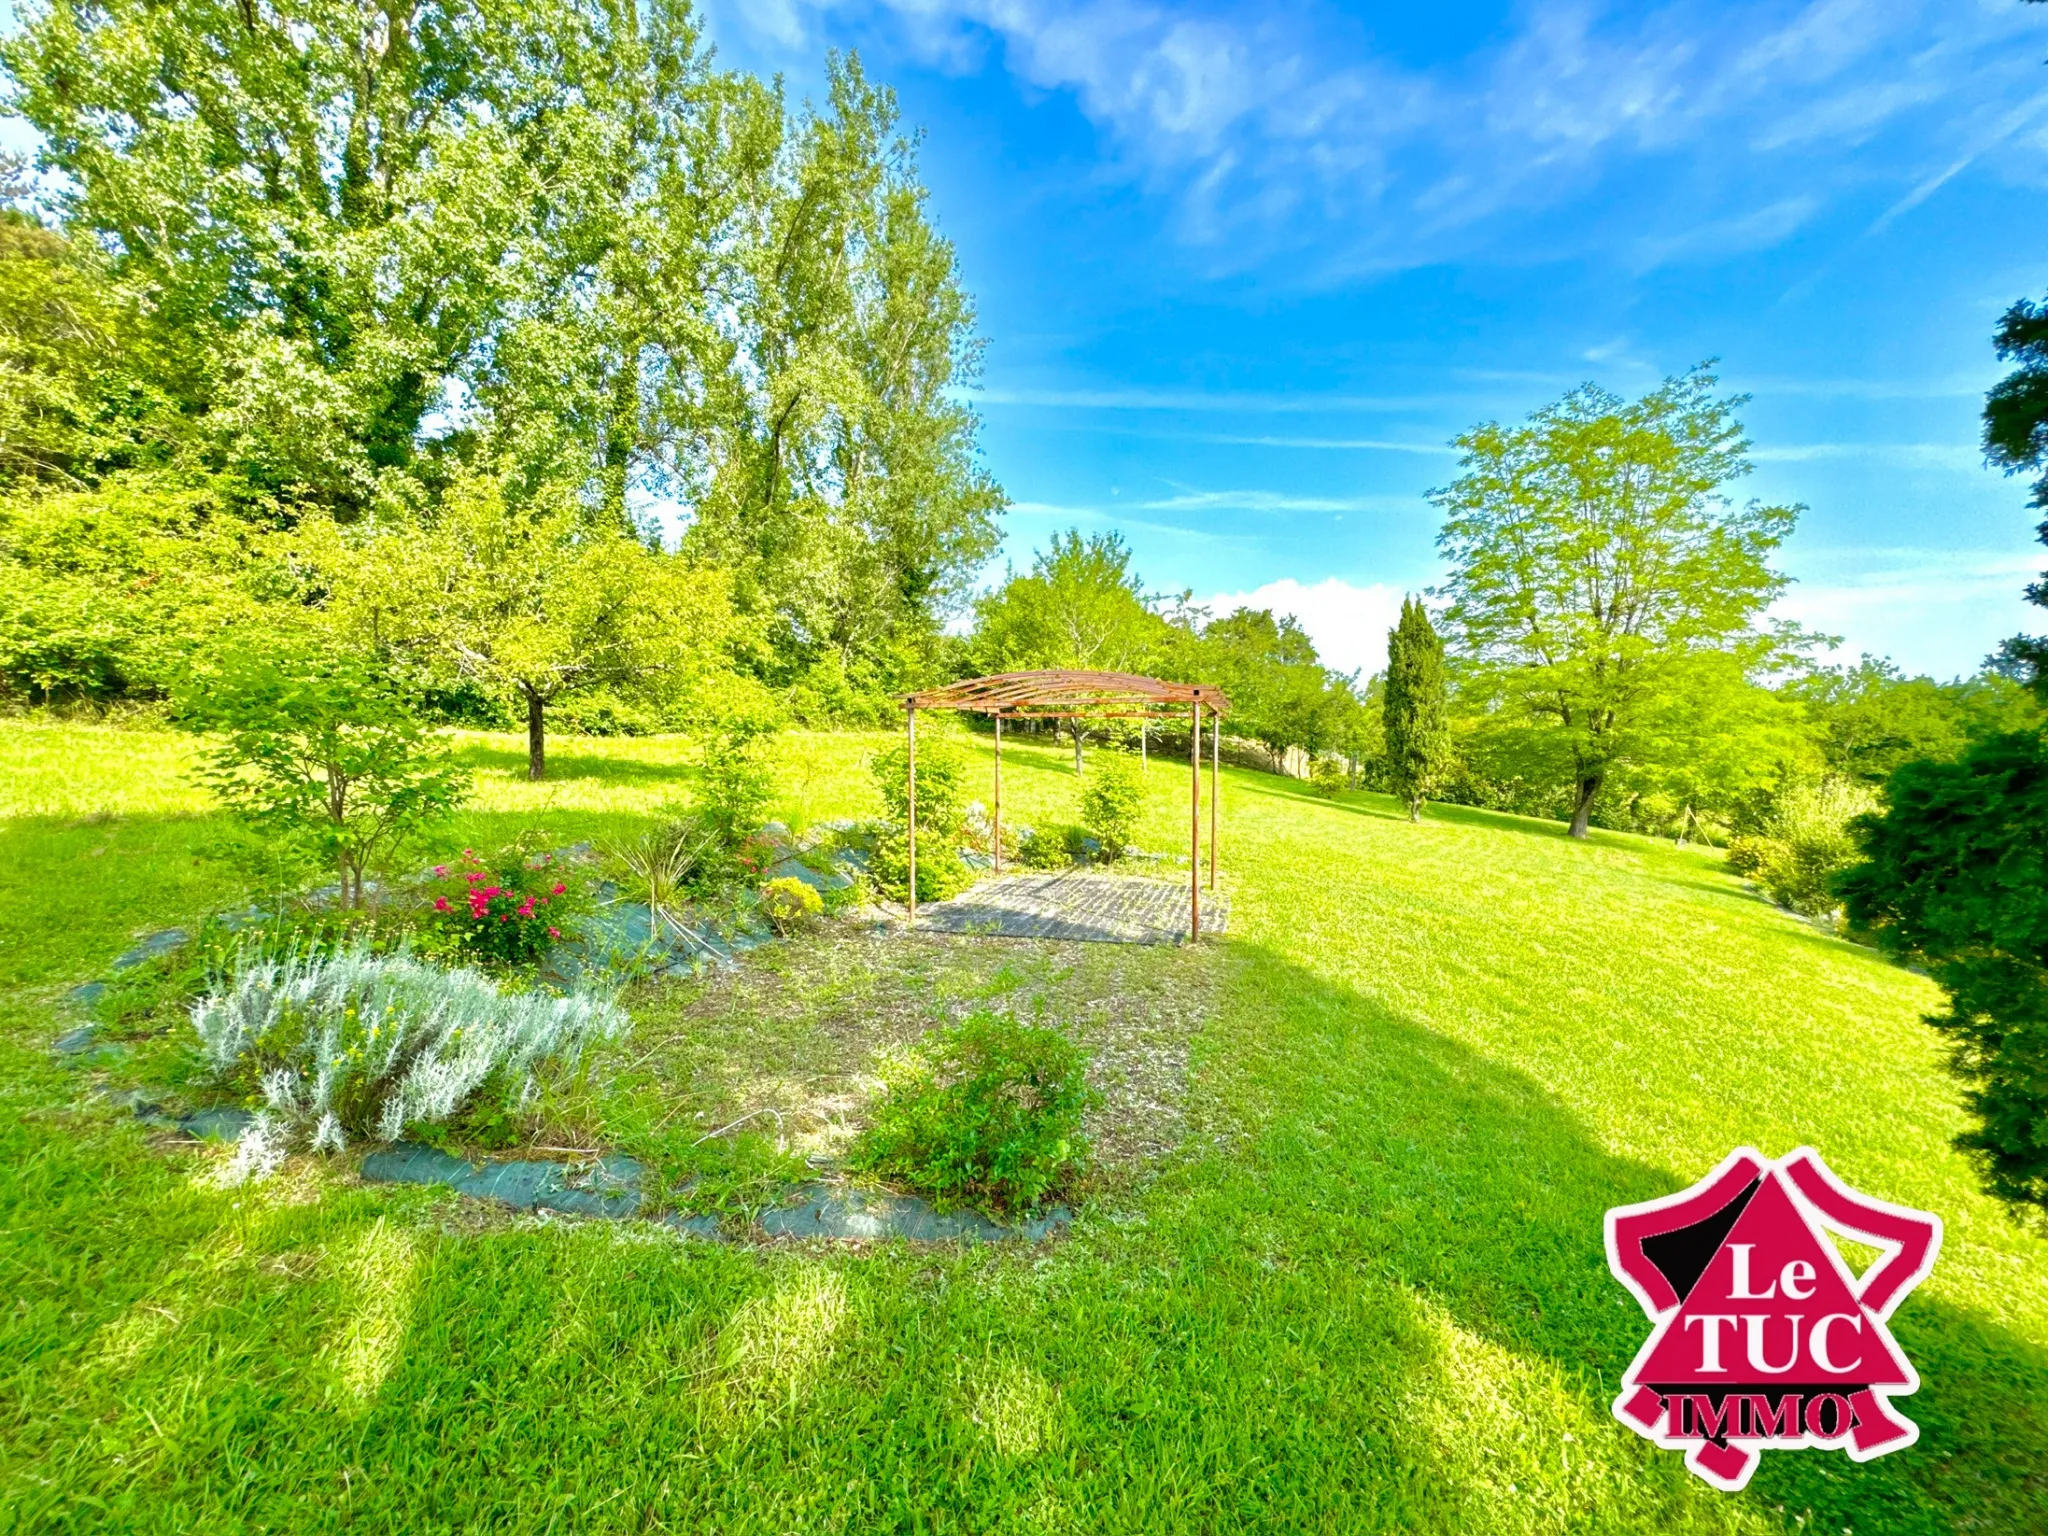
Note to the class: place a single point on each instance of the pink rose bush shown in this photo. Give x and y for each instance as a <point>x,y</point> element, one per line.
<point>508,910</point>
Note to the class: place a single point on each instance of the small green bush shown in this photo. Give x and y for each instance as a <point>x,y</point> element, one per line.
<point>507,910</point>
<point>1806,843</point>
<point>737,784</point>
<point>987,1110</point>
<point>1054,847</point>
<point>790,905</point>
<point>1326,778</point>
<point>1112,800</point>
<point>941,820</point>
<point>1750,852</point>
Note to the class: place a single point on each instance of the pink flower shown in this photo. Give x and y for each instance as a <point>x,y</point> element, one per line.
<point>526,909</point>
<point>441,904</point>
<point>440,871</point>
<point>559,888</point>
<point>469,853</point>
<point>554,933</point>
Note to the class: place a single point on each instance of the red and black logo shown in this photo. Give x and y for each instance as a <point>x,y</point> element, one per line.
<point>1764,1338</point>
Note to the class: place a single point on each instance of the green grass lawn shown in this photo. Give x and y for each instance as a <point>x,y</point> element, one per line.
<point>1369,1293</point>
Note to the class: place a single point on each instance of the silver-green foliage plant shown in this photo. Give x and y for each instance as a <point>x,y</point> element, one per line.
<point>351,1043</point>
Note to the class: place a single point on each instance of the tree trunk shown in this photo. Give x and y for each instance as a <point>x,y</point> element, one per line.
<point>1415,810</point>
<point>1581,817</point>
<point>536,737</point>
<point>1078,769</point>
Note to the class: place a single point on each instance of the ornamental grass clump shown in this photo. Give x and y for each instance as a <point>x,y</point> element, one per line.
<point>989,1109</point>
<point>350,1043</point>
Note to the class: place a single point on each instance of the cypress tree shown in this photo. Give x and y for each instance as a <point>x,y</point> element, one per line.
<point>1417,708</point>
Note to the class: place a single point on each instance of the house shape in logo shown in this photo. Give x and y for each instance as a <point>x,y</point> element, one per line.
<point>1764,1338</point>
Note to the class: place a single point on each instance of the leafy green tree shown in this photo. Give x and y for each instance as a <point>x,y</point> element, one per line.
<point>1594,554</point>
<point>1080,606</point>
<point>535,599</point>
<point>112,592</point>
<point>1280,694</point>
<point>1954,877</point>
<point>1416,708</point>
<point>1872,719</point>
<point>320,751</point>
<point>2016,438</point>
<point>367,244</point>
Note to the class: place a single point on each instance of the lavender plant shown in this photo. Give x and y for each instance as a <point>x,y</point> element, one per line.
<point>352,1043</point>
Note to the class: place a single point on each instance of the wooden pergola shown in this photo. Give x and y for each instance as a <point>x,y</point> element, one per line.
<point>1065,695</point>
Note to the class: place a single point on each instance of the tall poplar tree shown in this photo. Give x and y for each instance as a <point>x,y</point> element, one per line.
<point>1416,708</point>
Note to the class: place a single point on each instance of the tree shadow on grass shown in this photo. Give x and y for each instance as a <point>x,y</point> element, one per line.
<point>572,760</point>
<point>1373,1296</point>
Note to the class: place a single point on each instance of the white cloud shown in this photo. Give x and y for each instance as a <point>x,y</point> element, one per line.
<point>1271,501</point>
<point>1348,623</point>
<point>1936,611</point>
<point>1199,400</point>
<point>1281,127</point>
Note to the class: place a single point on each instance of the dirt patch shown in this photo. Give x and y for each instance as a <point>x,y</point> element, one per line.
<point>791,1038</point>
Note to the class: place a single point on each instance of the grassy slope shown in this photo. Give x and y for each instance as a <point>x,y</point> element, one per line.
<point>1372,1296</point>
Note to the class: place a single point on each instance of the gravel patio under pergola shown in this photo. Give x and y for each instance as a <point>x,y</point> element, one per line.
<point>1123,909</point>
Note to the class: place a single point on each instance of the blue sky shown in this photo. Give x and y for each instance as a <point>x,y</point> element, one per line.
<point>1244,269</point>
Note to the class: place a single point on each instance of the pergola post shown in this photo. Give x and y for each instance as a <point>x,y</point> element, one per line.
<point>995,842</point>
<point>1215,791</point>
<point>1195,820</point>
<point>910,802</point>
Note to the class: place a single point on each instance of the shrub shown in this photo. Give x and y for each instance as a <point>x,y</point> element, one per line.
<point>670,858</point>
<point>1111,802</point>
<point>1955,877</point>
<point>1326,778</point>
<point>1749,853</point>
<point>790,904</point>
<point>979,833</point>
<point>507,911</point>
<point>989,1109</point>
<point>737,783</point>
<point>1054,847</point>
<point>1807,842</point>
<point>321,751</point>
<point>941,820</point>
<point>354,1043</point>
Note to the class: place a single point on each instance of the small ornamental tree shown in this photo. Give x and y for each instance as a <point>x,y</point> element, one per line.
<point>536,598</point>
<point>1957,877</point>
<point>1416,709</point>
<point>1111,803</point>
<point>941,819</point>
<point>321,752</point>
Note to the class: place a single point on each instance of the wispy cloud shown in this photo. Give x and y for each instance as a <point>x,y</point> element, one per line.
<point>1247,402</point>
<point>1948,456</point>
<point>1280,127</point>
<point>1272,502</point>
<point>1867,596</point>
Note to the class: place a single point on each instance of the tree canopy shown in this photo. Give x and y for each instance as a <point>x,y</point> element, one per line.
<point>327,259</point>
<point>1596,559</point>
